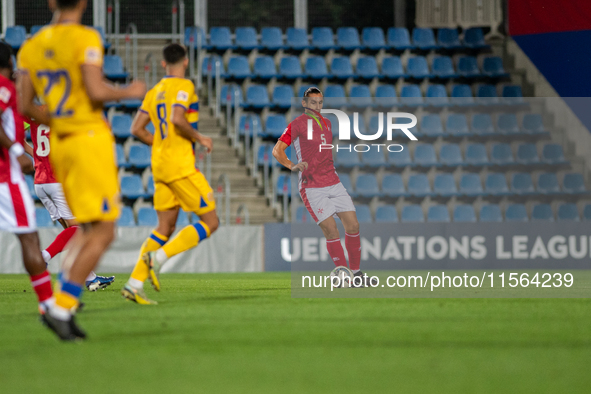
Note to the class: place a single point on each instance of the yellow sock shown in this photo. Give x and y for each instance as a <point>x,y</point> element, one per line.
<point>68,296</point>
<point>154,242</point>
<point>187,238</point>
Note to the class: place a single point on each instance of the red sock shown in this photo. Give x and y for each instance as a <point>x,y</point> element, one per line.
<point>335,250</point>
<point>42,285</point>
<point>60,242</point>
<point>353,245</point>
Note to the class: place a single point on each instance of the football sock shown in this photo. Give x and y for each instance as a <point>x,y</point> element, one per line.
<point>90,276</point>
<point>353,245</point>
<point>336,252</point>
<point>187,238</point>
<point>140,271</point>
<point>65,300</point>
<point>46,256</point>
<point>42,285</point>
<point>60,242</point>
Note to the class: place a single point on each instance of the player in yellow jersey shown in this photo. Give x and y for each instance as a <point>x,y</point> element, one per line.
<point>62,65</point>
<point>173,108</point>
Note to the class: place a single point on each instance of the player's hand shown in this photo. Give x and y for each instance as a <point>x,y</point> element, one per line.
<point>303,166</point>
<point>206,142</point>
<point>26,164</point>
<point>136,89</point>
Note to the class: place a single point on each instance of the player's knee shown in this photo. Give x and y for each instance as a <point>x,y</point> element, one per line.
<point>353,228</point>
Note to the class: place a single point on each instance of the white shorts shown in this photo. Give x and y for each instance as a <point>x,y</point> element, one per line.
<point>324,202</point>
<point>17,209</point>
<point>53,198</point>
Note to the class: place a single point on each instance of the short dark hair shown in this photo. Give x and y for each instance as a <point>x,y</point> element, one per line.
<point>67,4</point>
<point>312,90</point>
<point>5,54</point>
<point>174,53</point>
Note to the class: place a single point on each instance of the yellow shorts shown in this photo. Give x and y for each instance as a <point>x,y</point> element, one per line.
<point>191,193</point>
<point>85,166</point>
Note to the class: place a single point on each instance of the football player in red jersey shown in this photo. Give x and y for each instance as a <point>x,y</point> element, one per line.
<point>52,196</point>
<point>321,190</point>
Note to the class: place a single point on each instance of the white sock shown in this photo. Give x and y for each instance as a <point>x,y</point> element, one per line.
<point>355,271</point>
<point>46,256</point>
<point>90,276</point>
<point>47,304</point>
<point>135,283</point>
<point>161,256</point>
<point>60,313</point>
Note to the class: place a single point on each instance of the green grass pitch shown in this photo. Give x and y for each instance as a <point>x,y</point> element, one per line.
<point>243,333</point>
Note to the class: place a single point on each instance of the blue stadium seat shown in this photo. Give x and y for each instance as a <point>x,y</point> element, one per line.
<point>450,155</point>
<point>553,154</point>
<point>31,186</point>
<point>474,38</point>
<point>516,213</point>
<point>335,97</point>
<point>470,185</point>
<point>431,126</point>
<point>443,67</point>
<point>126,219</point>
<point>399,38</point>
<point>490,213</point>
<point>283,185</point>
<point>417,67</point>
<point>548,183</point>
<point>461,95</point>
<point>464,213</point>
<point>348,38</point>
<point>507,124</point>
<point>275,125</point>
<point>438,213</point>
<point>386,214</point>
<point>121,125</point>
<point>120,155</point>
<point>264,67</point>
<point>282,96</point>
<point>393,186</point>
<point>448,39</point>
<point>268,150</point>
<point>363,214</point>
<point>366,185</point>
<point>246,38</point>
<point>424,39</point>
<point>147,217</point>
<point>238,67</point>
<point>341,67</point>
<point>303,216</point>
<point>476,155</point>
<point>527,154</point>
<point>587,212</point>
<point>360,97</point>
<point>182,219</point>
<point>573,183</point>
<point>418,185</point>
<point>150,187</point>
<point>43,218</point>
<point>373,158</point>
<point>521,183</point>
<point>412,214</point>
<point>132,187</point>
<point>35,29</point>
<point>501,154</point>
<point>482,125</point>
<point>492,66</point>
<point>272,38</point>
<point>191,37</point>
<point>220,38</point>
<point>367,67</point>
<point>533,124</point>
<point>444,185</point>
<point>385,96</point>
<point>487,94</point>
<point>373,38</point>
<point>140,156</point>
<point>15,36</point>
<point>209,64</point>
<point>297,39</point>
<point>457,125</point>
<point>512,94</point>
<point>392,68</point>
<point>290,67</point>
<point>567,212</point>
<point>303,89</point>
<point>542,212</point>
<point>424,155</point>
<point>468,67</point>
<point>113,68</point>
<point>344,158</point>
<point>401,158</point>
<point>323,38</point>
<point>257,96</point>
<point>346,181</point>
<point>436,95</point>
<point>411,95</point>
<point>315,68</point>
<point>496,184</point>
<point>246,123</point>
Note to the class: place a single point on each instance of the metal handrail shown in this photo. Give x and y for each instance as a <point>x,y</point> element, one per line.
<point>178,20</point>
<point>243,209</point>
<point>235,138</point>
<point>148,69</point>
<point>204,162</point>
<point>247,150</point>
<point>223,188</point>
<point>131,29</point>
<point>218,87</point>
<point>117,26</point>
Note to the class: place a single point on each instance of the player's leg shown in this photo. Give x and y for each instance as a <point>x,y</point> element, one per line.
<point>37,270</point>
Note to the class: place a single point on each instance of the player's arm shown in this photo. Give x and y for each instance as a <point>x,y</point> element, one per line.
<point>29,149</point>
<point>138,128</point>
<point>281,156</point>
<point>26,101</point>
<point>99,91</point>
<point>181,123</point>
<point>16,149</point>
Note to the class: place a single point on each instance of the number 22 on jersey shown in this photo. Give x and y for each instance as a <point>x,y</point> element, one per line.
<point>55,78</point>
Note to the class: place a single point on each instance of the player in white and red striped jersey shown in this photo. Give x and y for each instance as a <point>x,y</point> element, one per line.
<point>17,209</point>
<point>51,194</point>
<point>321,190</point>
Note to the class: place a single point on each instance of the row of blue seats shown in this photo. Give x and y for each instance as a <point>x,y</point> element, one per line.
<point>15,36</point>
<point>257,96</point>
<point>444,185</point>
<point>147,217</point>
<point>315,67</point>
<point>121,126</point>
<point>140,156</point>
<point>323,39</point>
<point>462,213</point>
